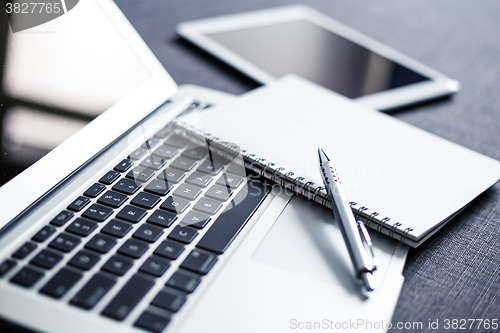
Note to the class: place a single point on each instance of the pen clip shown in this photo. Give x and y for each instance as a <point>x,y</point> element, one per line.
<point>367,241</point>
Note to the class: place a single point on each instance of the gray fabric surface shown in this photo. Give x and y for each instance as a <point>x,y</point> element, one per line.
<point>456,273</point>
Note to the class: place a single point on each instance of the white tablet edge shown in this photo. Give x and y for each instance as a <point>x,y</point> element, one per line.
<point>196,31</point>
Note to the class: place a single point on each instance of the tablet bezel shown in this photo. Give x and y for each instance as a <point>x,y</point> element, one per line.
<point>197,32</point>
<point>28,187</point>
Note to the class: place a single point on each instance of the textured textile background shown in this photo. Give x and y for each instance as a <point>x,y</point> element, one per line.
<point>456,273</point>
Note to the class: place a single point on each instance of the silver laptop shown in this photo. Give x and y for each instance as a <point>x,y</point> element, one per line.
<point>111,222</point>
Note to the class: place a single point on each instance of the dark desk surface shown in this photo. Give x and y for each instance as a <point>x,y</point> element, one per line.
<point>456,273</point>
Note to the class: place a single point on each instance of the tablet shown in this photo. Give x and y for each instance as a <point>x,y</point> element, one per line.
<point>267,44</point>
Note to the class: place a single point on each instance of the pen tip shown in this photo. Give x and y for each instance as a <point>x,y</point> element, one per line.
<point>368,281</point>
<point>322,156</point>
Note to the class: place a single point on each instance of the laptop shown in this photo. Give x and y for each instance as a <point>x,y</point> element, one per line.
<point>111,222</point>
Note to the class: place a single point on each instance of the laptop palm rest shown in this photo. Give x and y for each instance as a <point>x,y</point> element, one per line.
<point>293,265</point>
<point>306,240</point>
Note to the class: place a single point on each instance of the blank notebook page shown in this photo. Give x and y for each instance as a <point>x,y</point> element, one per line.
<point>402,172</point>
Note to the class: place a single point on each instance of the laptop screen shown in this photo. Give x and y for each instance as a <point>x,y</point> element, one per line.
<point>54,82</point>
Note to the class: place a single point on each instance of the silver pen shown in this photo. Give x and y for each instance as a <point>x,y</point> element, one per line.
<point>355,235</point>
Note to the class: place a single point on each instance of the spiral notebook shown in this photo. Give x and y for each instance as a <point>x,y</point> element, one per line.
<point>401,180</point>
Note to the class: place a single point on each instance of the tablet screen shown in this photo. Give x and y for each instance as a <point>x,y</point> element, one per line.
<point>319,55</point>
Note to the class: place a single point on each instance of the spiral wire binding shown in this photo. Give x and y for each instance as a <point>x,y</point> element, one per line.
<point>393,229</point>
<point>323,202</point>
<point>263,171</point>
<point>370,218</point>
<point>306,185</point>
<point>405,233</point>
<point>381,223</point>
<point>257,160</point>
<point>273,176</point>
<point>359,211</point>
<point>252,162</point>
<point>285,176</point>
<point>318,189</point>
<point>295,181</point>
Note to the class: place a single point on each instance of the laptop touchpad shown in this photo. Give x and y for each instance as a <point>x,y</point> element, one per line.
<point>306,240</point>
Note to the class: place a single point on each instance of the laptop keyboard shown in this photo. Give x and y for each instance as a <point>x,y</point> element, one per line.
<point>165,199</point>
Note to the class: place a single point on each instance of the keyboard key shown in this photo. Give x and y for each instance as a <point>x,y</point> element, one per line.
<point>183,234</point>
<point>165,152</point>
<point>24,250</point>
<point>126,186</point>
<point>199,179</point>
<point>196,153</point>
<point>175,205</point>
<point>169,249</point>
<point>183,163</point>
<point>6,266</point>
<point>236,169</point>
<point>78,204</point>
<point>199,262</point>
<point>97,212</point>
<point>117,228</point>
<point>229,224</point>
<point>124,165</point>
<point>133,248</point>
<point>112,199</point>
<point>148,233</point>
<point>65,242</point>
<point>138,154</point>
<point>155,266</point>
<point>82,227</point>
<point>101,243</point>
<point>152,322</point>
<point>131,214</point>
<point>171,176</point>
<point>145,200</point>
<point>162,218</point>
<point>207,206</point>
<point>228,180</point>
<point>94,190</point>
<point>150,143</point>
<point>219,193</point>
<point>62,218</point>
<point>196,220</point>
<point>187,191</point>
<point>93,291</point>
<point>159,187</point>
<point>210,167</point>
<point>110,177</point>
<point>183,282</point>
<point>117,265</point>
<point>27,277</point>
<point>59,285</point>
<point>128,297</point>
<point>46,259</point>
<point>84,260</point>
<point>162,133</point>
<point>140,174</point>
<point>43,234</point>
<point>176,141</point>
<point>168,301</point>
<point>153,162</point>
